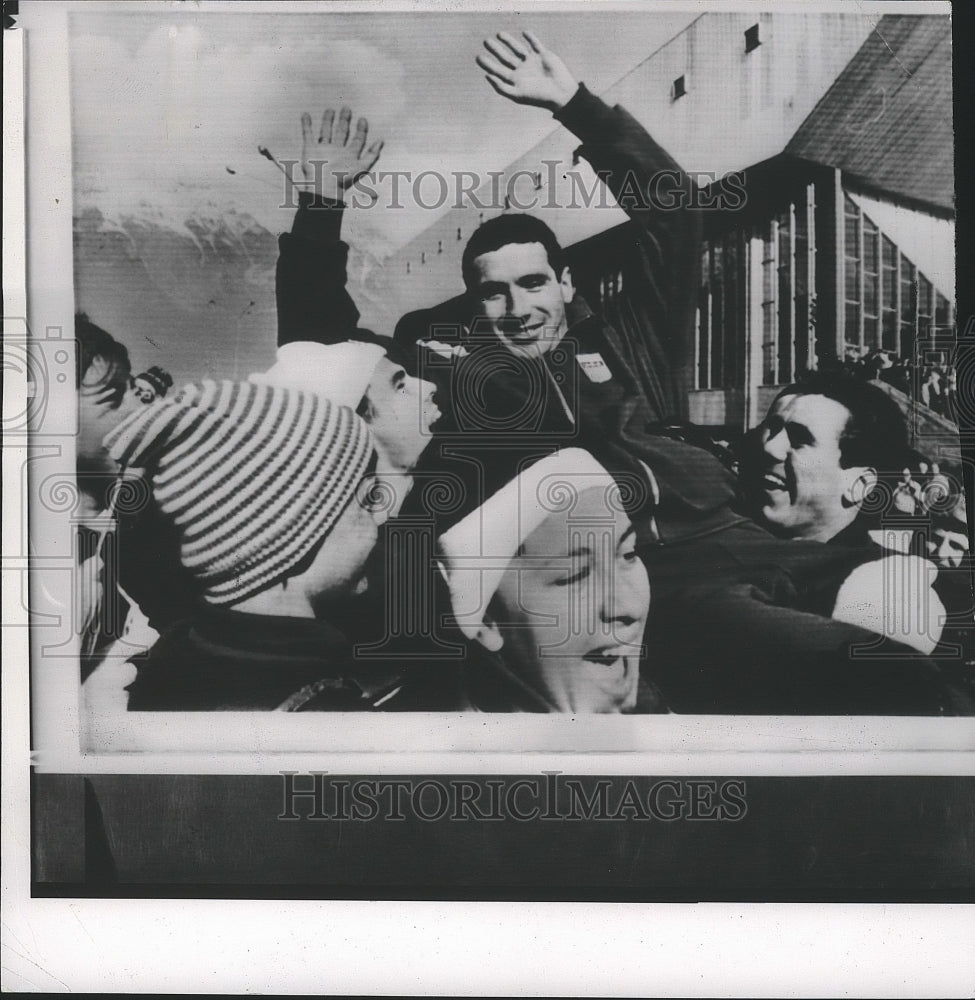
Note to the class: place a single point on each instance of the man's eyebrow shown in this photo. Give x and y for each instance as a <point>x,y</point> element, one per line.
<point>533,276</point>
<point>631,530</point>
<point>491,287</point>
<point>398,376</point>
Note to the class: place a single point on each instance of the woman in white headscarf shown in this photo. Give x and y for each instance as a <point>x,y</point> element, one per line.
<point>547,587</point>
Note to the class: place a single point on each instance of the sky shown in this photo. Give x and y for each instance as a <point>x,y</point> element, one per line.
<point>168,107</point>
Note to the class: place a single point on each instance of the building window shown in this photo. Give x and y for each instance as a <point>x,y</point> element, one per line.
<point>785,283</point>
<point>888,303</point>
<point>789,291</point>
<point>752,40</point>
<point>804,286</point>
<point>852,271</point>
<point>871,286</point>
<point>678,88</point>
<point>721,318</point>
<point>889,283</point>
<point>908,310</point>
<point>943,314</point>
<point>925,307</point>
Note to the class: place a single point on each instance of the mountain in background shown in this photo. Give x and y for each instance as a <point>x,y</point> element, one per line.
<point>196,298</point>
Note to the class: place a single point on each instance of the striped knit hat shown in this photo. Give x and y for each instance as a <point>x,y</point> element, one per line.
<point>254,476</point>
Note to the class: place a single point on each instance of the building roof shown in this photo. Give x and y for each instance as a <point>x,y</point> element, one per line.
<point>886,121</point>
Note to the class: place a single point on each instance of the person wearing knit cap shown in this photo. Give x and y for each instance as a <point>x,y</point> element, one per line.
<point>266,488</point>
<point>321,350</point>
<point>322,347</point>
<point>545,578</point>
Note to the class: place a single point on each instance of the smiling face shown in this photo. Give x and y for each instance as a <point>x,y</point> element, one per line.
<point>522,297</point>
<point>573,606</point>
<point>400,411</point>
<point>795,479</point>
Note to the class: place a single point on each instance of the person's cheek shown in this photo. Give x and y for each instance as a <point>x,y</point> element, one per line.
<point>491,308</point>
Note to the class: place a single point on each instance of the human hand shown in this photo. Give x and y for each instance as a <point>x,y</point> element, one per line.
<point>527,73</point>
<point>333,162</point>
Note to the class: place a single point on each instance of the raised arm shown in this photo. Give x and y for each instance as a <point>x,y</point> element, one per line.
<point>313,303</point>
<point>526,72</point>
<point>641,174</point>
<point>646,181</point>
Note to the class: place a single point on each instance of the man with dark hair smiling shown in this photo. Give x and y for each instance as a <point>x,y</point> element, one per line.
<point>821,450</point>
<point>514,267</point>
<point>785,616</point>
<point>539,370</point>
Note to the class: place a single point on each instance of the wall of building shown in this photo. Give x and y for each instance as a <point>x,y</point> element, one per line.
<point>740,108</point>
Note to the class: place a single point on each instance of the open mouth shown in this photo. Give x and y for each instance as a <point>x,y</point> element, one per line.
<point>610,656</point>
<point>773,483</point>
<point>525,334</point>
<point>616,674</point>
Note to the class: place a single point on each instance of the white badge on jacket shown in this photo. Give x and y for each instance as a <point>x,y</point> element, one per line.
<point>594,367</point>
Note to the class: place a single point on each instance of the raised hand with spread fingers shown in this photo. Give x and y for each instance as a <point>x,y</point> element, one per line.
<point>337,158</point>
<point>526,72</point>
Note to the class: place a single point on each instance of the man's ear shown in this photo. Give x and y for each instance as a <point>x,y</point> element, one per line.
<point>862,481</point>
<point>568,288</point>
<point>489,636</point>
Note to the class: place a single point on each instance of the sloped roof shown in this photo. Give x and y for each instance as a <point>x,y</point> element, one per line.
<point>886,121</point>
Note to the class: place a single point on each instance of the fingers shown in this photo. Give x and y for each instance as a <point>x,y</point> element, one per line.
<point>494,69</point>
<point>361,135</point>
<point>516,47</point>
<point>504,89</point>
<point>372,154</point>
<point>341,134</point>
<point>533,41</point>
<point>502,54</point>
<point>306,139</point>
<point>328,121</point>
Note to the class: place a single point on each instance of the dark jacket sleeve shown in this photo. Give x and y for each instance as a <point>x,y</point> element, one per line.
<point>756,656</point>
<point>313,302</point>
<point>660,198</point>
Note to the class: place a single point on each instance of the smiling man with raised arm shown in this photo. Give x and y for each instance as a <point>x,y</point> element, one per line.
<point>705,560</point>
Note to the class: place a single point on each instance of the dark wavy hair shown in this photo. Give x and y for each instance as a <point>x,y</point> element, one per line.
<point>98,345</point>
<point>512,227</point>
<point>876,432</point>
